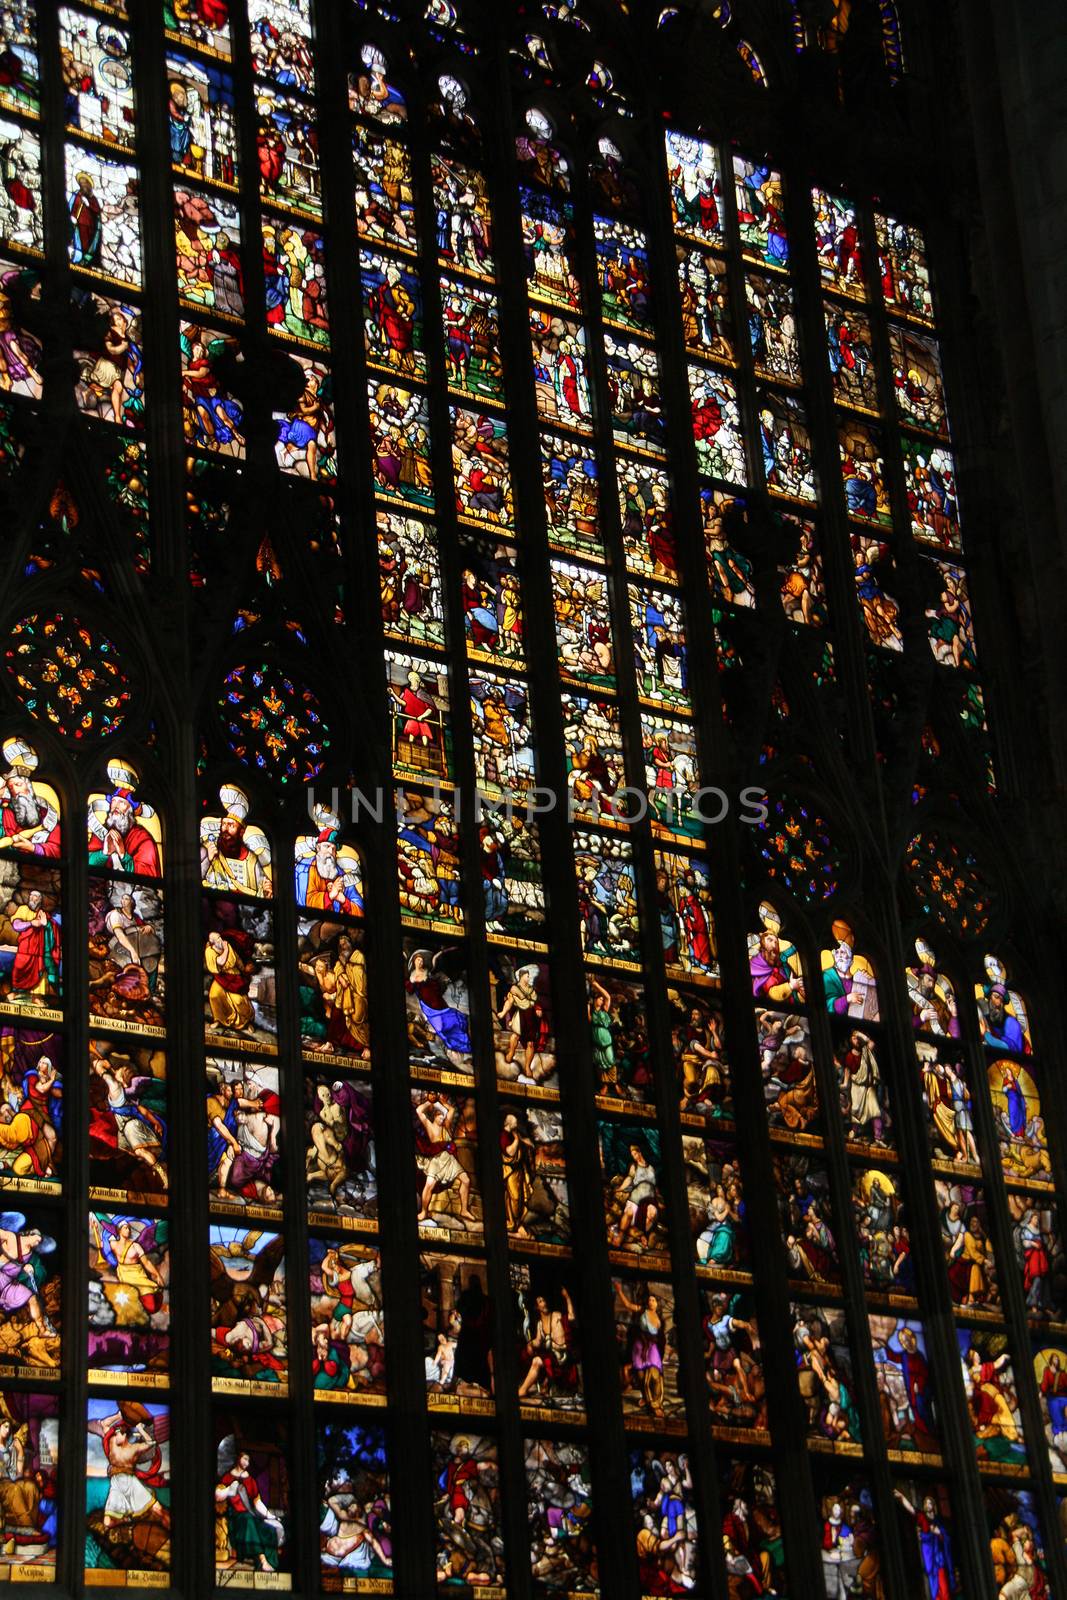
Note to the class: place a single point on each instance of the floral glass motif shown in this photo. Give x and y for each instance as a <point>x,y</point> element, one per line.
<point>274,724</point>
<point>68,674</point>
<point>799,850</point>
<point>949,882</point>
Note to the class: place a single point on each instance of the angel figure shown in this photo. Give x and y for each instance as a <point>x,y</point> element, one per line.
<point>444,1004</point>
<point>124,1246</point>
<point>121,1122</point>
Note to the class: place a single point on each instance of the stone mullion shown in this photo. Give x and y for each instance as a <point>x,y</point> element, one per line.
<point>411,1512</point>
<point>607,1441</point>
<point>718,764</point>
<point>507,1427</point>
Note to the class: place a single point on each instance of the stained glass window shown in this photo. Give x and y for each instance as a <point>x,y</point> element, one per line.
<point>502,566</point>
